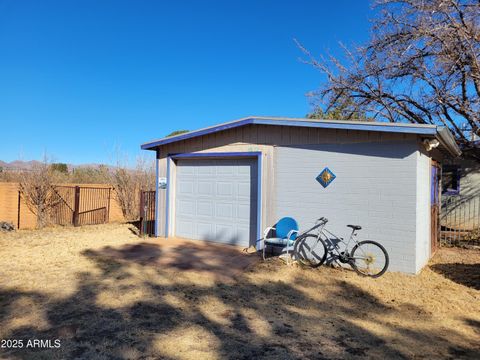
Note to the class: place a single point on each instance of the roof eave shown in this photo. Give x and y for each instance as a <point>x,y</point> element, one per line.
<point>448,141</point>
<point>154,144</point>
<point>341,125</point>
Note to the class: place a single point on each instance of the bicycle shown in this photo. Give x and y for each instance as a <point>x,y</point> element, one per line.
<point>367,258</point>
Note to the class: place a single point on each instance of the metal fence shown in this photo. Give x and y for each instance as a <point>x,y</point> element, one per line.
<point>92,205</point>
<point>147,213</point>
<point>460,220</point>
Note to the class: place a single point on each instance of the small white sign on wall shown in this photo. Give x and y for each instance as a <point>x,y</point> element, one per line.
<point>162,183</point>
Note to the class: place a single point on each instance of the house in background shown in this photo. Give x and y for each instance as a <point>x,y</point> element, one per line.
<point>226,183</point>
<point>460,213</point>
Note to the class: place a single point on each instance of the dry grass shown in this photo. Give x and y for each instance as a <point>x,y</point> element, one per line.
<point>55,285</point>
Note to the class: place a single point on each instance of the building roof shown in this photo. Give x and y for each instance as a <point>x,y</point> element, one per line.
<point>441,133</point>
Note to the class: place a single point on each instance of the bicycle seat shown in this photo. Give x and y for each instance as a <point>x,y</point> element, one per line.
<point>355,227</point>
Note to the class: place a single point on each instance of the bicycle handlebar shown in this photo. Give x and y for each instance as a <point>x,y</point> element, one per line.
<point>320,222</point>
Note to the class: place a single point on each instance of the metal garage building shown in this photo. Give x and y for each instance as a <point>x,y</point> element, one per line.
<point>227,182</point>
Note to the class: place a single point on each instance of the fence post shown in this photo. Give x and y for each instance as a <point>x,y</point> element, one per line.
<point>107,220</point>
<point>76,206</point>
<point>18,214</point>
<point>142,215</point>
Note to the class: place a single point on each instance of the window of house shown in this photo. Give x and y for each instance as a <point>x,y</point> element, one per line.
<point>450,180</point>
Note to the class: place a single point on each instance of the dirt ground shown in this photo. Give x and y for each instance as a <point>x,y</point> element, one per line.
<point>63,284</point>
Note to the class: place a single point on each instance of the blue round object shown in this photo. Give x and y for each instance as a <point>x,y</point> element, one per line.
<point>284,226</point>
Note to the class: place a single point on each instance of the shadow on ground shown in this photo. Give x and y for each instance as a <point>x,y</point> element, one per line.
<point>222,262</point>
<point>464,274</point>
<point>176,317</point>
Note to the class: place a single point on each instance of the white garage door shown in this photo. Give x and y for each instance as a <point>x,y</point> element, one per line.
<point>217,200</point>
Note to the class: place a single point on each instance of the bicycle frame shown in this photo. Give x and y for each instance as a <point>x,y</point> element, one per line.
<point>324,232</point>
<point>327,235</point>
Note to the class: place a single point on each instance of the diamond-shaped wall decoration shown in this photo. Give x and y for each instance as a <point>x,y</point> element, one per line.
<point>325,177</point>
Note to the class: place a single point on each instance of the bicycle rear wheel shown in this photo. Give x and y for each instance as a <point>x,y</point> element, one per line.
<point>310,250</point>
<point>369,258</point>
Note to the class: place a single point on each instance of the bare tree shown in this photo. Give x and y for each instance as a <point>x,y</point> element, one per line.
<point>37,189</point>
<point>90,175</point>
<point>422,65</point>
<point>129,182</point>
<point>177,132</point>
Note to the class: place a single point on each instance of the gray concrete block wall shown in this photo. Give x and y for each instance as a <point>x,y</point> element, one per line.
<point>376,187</point>
<point>423,245</point>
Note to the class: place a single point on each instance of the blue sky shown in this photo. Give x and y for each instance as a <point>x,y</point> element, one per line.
<point>83,80</point>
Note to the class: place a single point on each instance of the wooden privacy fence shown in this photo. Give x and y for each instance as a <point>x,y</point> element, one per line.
<point>147,213</point>
<point>62,212</point>
<point>93,205</point>
<point>460,220</point>
<point>78,205</point>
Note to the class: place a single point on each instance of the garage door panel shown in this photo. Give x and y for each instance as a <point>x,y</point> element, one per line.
<point>205,170</point>
<point>186,228</point>
<point>243,212</point>
<point>244,190</point>
<point>220,194</point>
<point>205,188</point>
<point>226,233</point>
<point>186,170</point>
<point>224,210</point>
<point>243,170</point>
<point>204,231</point>
<point>243,232</point>
<point>225,173</point>
<point>224,188</point>
<point>185,187</point>
<point>205,208</point>
<point>184,207</point>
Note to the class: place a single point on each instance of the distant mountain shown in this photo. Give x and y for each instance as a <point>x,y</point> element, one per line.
<point>20,165</point>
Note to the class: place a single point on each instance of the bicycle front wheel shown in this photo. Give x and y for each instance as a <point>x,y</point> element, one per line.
<point>369,258</point>
<point>310,250</point>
